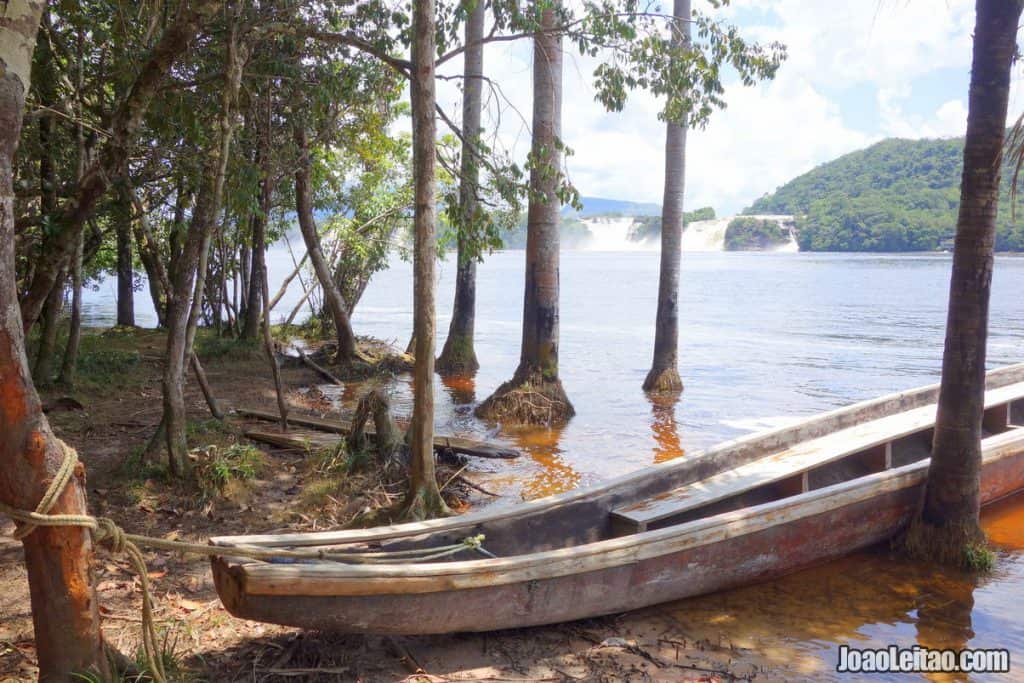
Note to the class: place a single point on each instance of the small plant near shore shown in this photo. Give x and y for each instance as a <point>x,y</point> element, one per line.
<point>979,558</point>
<point>217,467</point>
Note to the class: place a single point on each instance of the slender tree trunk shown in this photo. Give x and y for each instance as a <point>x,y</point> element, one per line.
<point>275,369</point>
<point>333,298</point>
<point>244,268</point>
<point>61,585</point>
<point>70,363</point>
<point>125,273</point>
<point>114,154</point>
<point>423,498</point>
<point>253,303</point>
<point>458,356</point>
<point>948,524</point>
<point>204,214</point>
<point>664,374</point>
<point>45,354</point>
<point>193,326</point>
<point>535,393</point>
<point>283,289</point>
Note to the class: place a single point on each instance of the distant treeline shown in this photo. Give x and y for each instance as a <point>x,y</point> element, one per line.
<point>745,233</point>
<point>897,195</point>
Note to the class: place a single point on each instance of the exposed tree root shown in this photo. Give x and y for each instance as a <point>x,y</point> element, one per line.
<point>423,503</point>
<point>957,545</point>
<point>457,357</point>
<point>533,400</point>
<point>663,381</point>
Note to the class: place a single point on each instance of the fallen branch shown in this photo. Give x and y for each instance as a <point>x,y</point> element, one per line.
<point>321,370</point>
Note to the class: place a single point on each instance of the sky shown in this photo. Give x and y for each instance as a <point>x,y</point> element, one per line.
<point>857,71</point>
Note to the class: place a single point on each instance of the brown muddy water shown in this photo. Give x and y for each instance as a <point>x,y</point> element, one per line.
<point>765,340</point>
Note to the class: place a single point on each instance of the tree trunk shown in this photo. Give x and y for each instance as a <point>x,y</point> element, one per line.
<point>125,273</point>
<point>253,302</point>
<point>535,393</point>
<point>423,499</point>
<point>458,356</point>
<point>70,363</point>
<point>64,607</point>
<point>333,298</point>
<point>275,369</point>
<point>948,527</point>
<point>43,369</point>
<point>113,156</point>
<point>204,214</point>
<point>664,374</point>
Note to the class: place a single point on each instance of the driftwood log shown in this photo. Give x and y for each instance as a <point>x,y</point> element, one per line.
<point>463,446</point>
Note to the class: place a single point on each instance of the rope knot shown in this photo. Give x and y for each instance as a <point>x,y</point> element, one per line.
<point>109,535</point>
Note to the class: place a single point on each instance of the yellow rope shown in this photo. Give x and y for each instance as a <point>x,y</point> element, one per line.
<point>106,533</point>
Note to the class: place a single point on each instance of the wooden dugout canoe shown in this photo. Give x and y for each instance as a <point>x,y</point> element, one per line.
<point>747,510</point>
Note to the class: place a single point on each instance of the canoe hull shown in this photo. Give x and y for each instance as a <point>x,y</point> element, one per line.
<point>789,537</point>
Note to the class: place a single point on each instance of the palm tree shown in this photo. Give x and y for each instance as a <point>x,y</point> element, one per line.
<point>535,394</point>
<point>947,526</point>
<point>458,356</point>
<point>664,374</point>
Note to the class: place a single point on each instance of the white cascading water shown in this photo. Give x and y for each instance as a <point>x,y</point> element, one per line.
<point>705,235</point>
<point>611,233</point>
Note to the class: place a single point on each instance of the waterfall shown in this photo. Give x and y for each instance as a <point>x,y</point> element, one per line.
<point>611,233</point>
<point>705,235</point>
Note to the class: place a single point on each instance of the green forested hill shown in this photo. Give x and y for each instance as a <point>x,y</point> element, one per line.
<point>897,195</point>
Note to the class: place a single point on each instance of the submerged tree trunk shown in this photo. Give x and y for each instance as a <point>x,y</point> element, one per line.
<point>664,374</point>
<point>65,612</point>
<point>333,298</point>
<point>948,528</point>
<point>458,356</point>
<point>535,394</point>
<point>423,498</point>
<point>197,239</point>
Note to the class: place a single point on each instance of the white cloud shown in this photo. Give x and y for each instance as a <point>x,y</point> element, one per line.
<point>769,133</point>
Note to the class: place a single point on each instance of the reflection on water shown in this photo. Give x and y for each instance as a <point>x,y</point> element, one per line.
<point>664,427</point>
<point>555,473</point>
<point>461,389</point>
<point>871,600</point>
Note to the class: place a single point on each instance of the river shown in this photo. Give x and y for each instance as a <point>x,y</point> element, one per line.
<point>765,338</point>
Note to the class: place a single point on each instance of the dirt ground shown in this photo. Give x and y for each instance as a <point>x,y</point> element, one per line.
<point>120,396</point>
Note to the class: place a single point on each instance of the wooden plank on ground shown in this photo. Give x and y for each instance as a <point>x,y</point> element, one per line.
<point>456,444</point>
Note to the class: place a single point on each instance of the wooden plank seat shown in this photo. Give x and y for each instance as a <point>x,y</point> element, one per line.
<point>793,470</point>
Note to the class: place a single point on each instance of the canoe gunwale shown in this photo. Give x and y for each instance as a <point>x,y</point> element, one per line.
<point>338,579</point>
